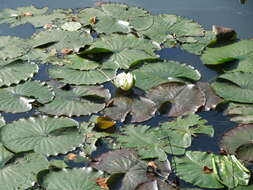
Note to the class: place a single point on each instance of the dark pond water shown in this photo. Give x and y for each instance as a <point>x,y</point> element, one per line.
<point>229,13</point>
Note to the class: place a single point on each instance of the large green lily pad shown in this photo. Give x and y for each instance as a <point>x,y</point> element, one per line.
<point>126,50</point>
<point>74,76</point>
<point>76,101</point>
<point>237,87</point>
<point>196,168</point>
<point>12,47</point>
<point>60,39</point>
<point>111,17</point>
<point>239,141</point>
<point>170,27</point>
<point>20,98</point>
<point>240,51</point>
<point>20,173</point>
<point>45,135</point>
<point>153,74</point>
<point>76,179</point>
<point>183,98</point>
<point>17,71</point>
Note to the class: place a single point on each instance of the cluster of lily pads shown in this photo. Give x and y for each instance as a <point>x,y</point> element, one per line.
<point>86,51</point>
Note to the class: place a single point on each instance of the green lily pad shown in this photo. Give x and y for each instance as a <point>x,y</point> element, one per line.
<point>156,185</point>
<point>76,179</point>
<point>17,71</point>
<point>239,141</point>
<point>22,172</point>
<point>200,43</point>
<point>237,87</point>
<point>12,47</point>
<point>183,98</point>
<point>183,129</point>
<point>124,161</point>
<point>76,101</point>
<point>239,51</point>
<point>45,135</point>
<point>226,165</point>
<point>126,50</point>
<point>140,108</point>
<point>196,168</point>
<point>74,76</point>
<point>167,26</point>
<point>20,98</point>
<point>154,74</point>
<point>240,113</point>
<point>149,142</point>
<point>111,17</point>
<point>60,39</point>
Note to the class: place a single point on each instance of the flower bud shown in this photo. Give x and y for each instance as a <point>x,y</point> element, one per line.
<point>124,81</point>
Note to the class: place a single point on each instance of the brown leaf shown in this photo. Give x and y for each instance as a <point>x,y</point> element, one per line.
<point>102,182</point>
<point>66,51</point>
<point>71,156</point>
<point>152,164</point>
<point>93,20</point>
<point>207,170</point>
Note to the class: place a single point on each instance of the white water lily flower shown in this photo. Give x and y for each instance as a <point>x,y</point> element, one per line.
<point>124,81</point>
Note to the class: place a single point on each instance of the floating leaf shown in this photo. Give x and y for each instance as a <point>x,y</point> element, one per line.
<point>150,142</point>
<point>123,161</point>
<point>74,76</point>
<point>20,173</point>
<point>183,98</point>
<point>126,50</point>
<point>212,100</point>
<point>239,141</point>
<point>104,122</point>
<point>76,179</point>
<point>16,71</point>
<point>239,51</point>
<point>111,17</point>
<point>22,15</point>
<point>241,113</point>
<point>238,87</point>
<point>190,168</point>
<point>156,185</point>
<point>167,26</point>
<point>74,61</point>
<point>181,130</point>
<point>200,43</point>
<point>226,165</point>
<point>12,47</point>
<point>140,108</point>
<point>45,135</point>
<point>154,74</point>
<point>59,39</point>
<point>20,98</point>
<point>71,26</point>
<point>76,101</point>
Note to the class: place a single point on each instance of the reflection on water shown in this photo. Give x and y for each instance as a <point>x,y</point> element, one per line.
<point>243,1</point>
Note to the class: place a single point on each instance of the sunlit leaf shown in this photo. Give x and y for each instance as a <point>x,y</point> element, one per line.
<point>45,135</point>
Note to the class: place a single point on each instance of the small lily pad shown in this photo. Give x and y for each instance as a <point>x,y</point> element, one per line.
<point>71,26</point>
<point>241,113</point>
